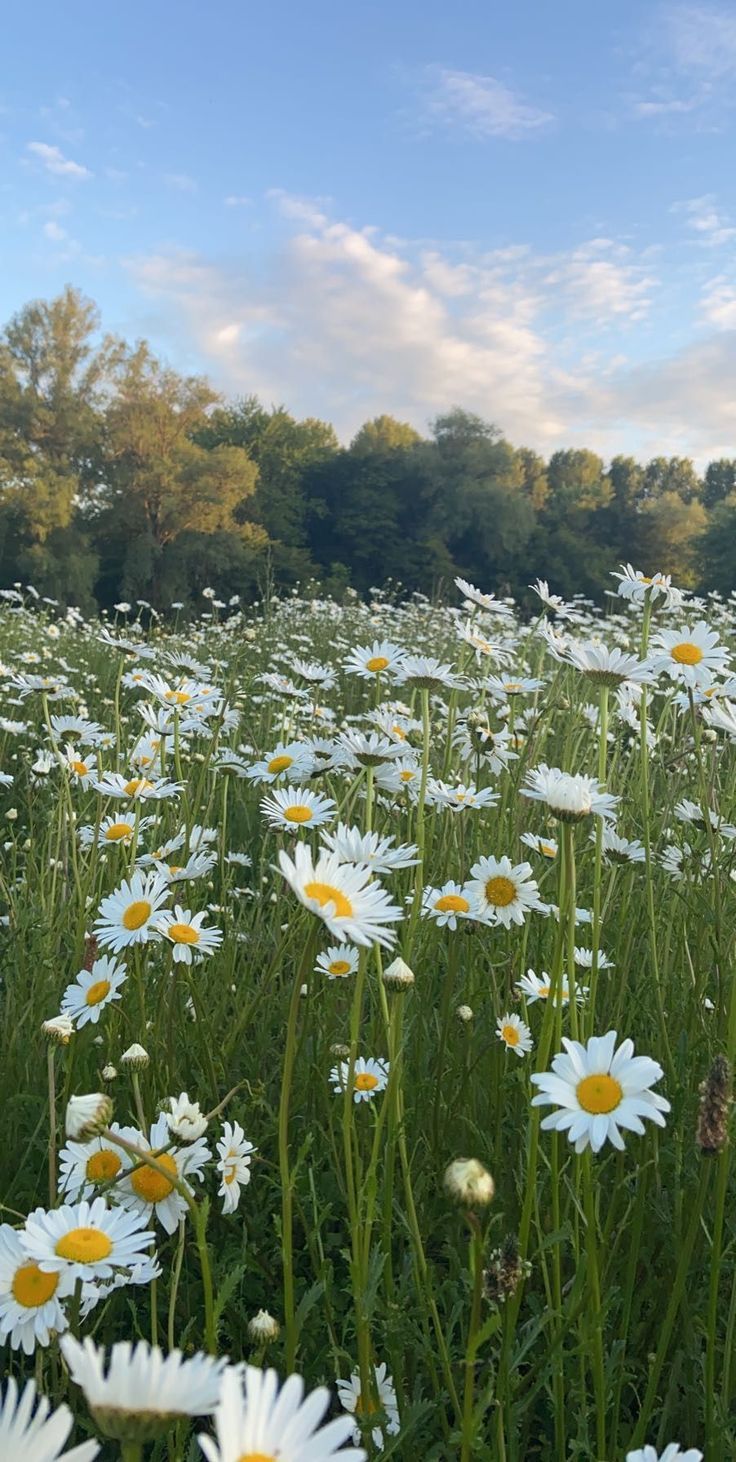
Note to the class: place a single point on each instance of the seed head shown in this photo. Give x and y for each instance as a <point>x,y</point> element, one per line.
<point>716,1099</point>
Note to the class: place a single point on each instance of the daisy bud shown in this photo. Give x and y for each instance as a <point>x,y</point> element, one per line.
<point>136,1057</point>
<point>263,1328</point>
<point>86,1116</point>
<point>464,1014</point>
<point>186,1120</point>
<point>59,1029</point>
<point>469,1183</point>
<point>716,1098</point>
<point>398,976</point>
<point>109,1073</point>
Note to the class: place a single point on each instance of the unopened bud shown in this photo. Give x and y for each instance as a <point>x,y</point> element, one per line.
<point>59,1029</point>
<point>469,1183</point>
<point>263,1328</point>
<point>398,976</point>
<point>87,1116</point>
<point>136,1057</point>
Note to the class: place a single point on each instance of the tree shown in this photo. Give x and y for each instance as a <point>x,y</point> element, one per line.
<point>384,434</point>
<point>719,481</point>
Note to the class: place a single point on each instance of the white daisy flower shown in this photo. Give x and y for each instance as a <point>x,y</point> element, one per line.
<point>83,1166</point>
<point>337,961</point>
<point>635,586</point>
<point>671,1453</point>
<point>620,850</point>
<point>149,1194</point>
<point>382,1404</point>
<point>546,847</point>
<point>369,1077</point>
<point>31,1432</point>
<point>584,958</point>
<point>599,1089</point>
<point>30,1312</point>
<point>85,999</point>
<point>449,903</point>
<point>604,666</point>
<point>129,915</point>
<point>380,658</point>
<point>234,1166</point>
<point>504,892</point>
<point>374,852</point>
<point>426,673</point>
<point>539,987</point>
<point>85,1240</point>
<point>292,761</point>
<point>551,601</point>
<point>483,601</point>
<point>186,1120</point>
<point>113,830</point>
<point>184,930</point>
<point>461,798</point>
<point>80,768</point>
<point>368,748</point>
<point>351,905</point>
<point>138,1384</point>
<point>255,1419</point>
<point>292,808</point>
<point>570,797</point>
<point>515,1034</point>
<point>136,789</point>
<point>691,654</point>
<point>502,687</point>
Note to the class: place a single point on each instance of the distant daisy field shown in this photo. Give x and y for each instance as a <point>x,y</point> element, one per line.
<point>368,1020</point>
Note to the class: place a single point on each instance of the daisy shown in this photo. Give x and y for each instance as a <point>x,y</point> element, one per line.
<point>136,789</point>
<point>83,1166</point>
<point>620,850</point>
<point>599,1089</point>
<point>185,932</point>
<point>196,866</point>
<point>474,737</point>
<point>368,749</point>
<point>482,601</point>
<point>85,1240</point>
<point>337,961</point>
<point>426,673</point>
<point>551,601</point>
<point>344,896</point>
<point>256,1420</point>
<point>28,1435</point>
<point>691,654</point>
<point>234,1166</point>
<point>570,797</point>
<point>635,586</point>
<point>460,798</point>
<point>514,1034</point>
<point>603,666</point>
<point>535,987</point>
<point>292,808</point>
<point>148,1193</point>
<point>369,1077</point>
<point>584,958</point>
<point>502,687</point>
<point>112,830</point>
<point>30,1312</point>
<point>128,916</point>
<point>383,1401</point>
<point>80,768</point>
<point>292,761</point>
<point>546,847</point>
<point>504,892</point>
<point>671,1453</point>
<point>138,1384</point>
<point>375,852</point>
<point>86,998</point>
<point>448,904</point>
<point>380,658</point>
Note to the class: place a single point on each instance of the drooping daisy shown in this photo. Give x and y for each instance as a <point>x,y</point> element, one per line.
<point>380,658</point>
<point>546,847</point>
<point>671,1453</point>
<point>31,1432</point>
<point>515,1034</point>
<point>292,808</point>
<point>149,1194</point>
<point>584,959</point>
<point>129,915</point>
<point>374,852</point>
<point>30,1309</point>
<point>352,906</point>
<point>382,1404</point>
<point>635,586</point>
<point>370,1076</point>
<point>449,903</point>
<point>504,892</point>
<point>691,654</point>
<point>620,850</point>
<point>256,1420</point>
<point>185,931</point>
<point>86,998</point>
<point>571,797</point>
<point>85,1240</point>
<point>338,961</point>
<point>481,600</point>
<point>234,1166</point>
<point>136,1389</point>
<point>598,1089</point>
<point>604,666</point>
<point>84,1166</point>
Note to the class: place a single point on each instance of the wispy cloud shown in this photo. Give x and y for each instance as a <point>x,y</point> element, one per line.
<point>475,105</point>
<point>181,182</point>
<point>687,62</point>
<point>703,217</point>
<point>703,39</point>
<point>54,161</point>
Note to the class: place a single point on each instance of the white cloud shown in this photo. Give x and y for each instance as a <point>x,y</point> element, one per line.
<point>55,232</point>
<point>54,161</point>
<point>718,303</point>
<point>703,39</point>
<point>478,106</point>
<point>181,182</point>
<point>237,200</point>
<point>705,220</point>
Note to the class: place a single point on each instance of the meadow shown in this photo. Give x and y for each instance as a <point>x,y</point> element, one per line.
<point>367,1021</point>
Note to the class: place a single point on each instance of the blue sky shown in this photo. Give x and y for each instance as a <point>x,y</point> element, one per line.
<point>528,210</point>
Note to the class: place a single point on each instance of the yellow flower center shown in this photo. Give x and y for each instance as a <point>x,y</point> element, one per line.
<point>454,902</point>
<point>510,1035</point>
<point>153,1187</point>
<point>547,850</point>
<point>377,663</point>
<point>183,933</point>
<point>407,776</point>
<point>279,764</point>
<point>644,579</point>
<point>102,1165</point>
<point>84,1246</point>
<point>136,914</point>
<point>31,1287</point>
<point>500,891</point>
<point>339,967</point>
<point>96,993</point>
<point>118,830</point>
<point>299,813</point>
<point>175,868</point>
<point>80,767</point>
<point>365,1081</point>
<point>365,1408</point>
<point>599,1094</point>
<point>179,697</point>
<point>137,784</point>
<point>256,1457</point>
<point>229,1177</point>
<point>687,653</point>
<point>324,893</point>
<point>512,687</point>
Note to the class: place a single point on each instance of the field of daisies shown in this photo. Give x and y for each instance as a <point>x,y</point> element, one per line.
<point>367,1023</point>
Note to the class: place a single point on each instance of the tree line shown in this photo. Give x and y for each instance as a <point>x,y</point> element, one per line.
<point>121,479</point>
